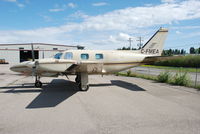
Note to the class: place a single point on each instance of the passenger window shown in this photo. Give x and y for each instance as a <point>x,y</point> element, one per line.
<point>84,56</point>
<point>68,55</point>
<point>99,56</point>
<point>58,56</point>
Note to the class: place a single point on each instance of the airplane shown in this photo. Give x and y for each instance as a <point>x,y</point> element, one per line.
<point>86,62</point>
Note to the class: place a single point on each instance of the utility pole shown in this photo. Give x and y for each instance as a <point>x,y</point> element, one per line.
<point>130,40</point>
<point>140,42</point>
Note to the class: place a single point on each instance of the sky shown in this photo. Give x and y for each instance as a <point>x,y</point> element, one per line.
<point>99,24</point>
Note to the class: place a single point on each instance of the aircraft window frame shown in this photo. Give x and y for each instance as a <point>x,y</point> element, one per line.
<point>58,55</point>
<point>100,56</point>
<point>68,55</point>
<point>84,54</point>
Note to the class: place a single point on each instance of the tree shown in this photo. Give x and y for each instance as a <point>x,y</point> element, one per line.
<point>183,51</point>
<point>192,50</point>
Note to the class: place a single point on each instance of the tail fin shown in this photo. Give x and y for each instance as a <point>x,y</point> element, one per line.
<point>154,45</point>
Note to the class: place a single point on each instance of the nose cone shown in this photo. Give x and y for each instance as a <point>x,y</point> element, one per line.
<point>16,68</point>
<point>22,67</point>
<point>12,68</point>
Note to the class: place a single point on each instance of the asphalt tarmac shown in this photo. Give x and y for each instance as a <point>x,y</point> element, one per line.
<point>112,105</point>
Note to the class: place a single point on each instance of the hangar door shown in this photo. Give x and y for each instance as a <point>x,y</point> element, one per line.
<point>26,55</point>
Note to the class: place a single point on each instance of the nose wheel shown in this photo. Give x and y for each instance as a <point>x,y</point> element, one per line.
<point>38,83</point>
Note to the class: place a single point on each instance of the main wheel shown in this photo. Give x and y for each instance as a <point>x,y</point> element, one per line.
<point>38,84</point>
<point>84,88</point>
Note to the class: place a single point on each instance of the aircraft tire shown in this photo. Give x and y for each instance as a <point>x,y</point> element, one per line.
<point>38,84</point>
<point>83,88</point>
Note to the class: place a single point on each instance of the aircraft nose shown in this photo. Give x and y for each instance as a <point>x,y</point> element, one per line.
<point>13,68</point>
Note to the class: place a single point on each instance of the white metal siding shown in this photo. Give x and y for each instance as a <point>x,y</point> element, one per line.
<point>13,56</point>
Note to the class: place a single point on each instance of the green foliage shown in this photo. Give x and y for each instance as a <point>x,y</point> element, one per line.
<point>198,87</point>
<point>128,72</point>
<point>171,52</point>
<point>164,77</point>
<point>185,61</point>
<point>126,48</point>
<point>174,68</point>
<point>181,79</point>
<point>192,50</point>
<point>149,77</point>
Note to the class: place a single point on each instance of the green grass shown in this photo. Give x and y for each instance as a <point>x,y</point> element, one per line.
<point>164,77</point>
<point>149,77</point>
<point>180,69</point>
<point>180,78</point>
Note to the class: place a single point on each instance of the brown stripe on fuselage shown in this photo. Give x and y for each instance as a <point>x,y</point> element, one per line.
<point>126,63</point>
<point>109,63</point>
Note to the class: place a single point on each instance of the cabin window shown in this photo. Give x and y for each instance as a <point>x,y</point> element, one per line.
<point>99,56</point>
<point>58,56</point>
<point>68,55</point>
<point>55,48</point>
<point>84,56</point>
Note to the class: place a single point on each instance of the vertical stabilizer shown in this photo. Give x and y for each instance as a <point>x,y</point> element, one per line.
<point>154,45</point>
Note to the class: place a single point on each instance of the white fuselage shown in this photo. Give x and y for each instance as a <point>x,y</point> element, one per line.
<point>110,62</point>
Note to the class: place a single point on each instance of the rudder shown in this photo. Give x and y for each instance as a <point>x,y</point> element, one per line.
<point>154,46</point>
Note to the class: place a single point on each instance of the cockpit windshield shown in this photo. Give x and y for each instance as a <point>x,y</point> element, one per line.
<point>58,56</point>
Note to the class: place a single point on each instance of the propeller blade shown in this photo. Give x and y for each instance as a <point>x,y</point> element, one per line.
<point>34,68</point>
<point>33,54</point>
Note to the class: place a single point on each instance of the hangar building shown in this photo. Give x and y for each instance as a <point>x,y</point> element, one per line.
<point>16,53</point>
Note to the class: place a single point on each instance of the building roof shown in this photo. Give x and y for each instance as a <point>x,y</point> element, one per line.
<point>60,45</point>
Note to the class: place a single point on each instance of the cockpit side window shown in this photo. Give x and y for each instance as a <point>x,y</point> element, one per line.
<point>58,56</point>
<point>68,55</point>
<point>84,56</point>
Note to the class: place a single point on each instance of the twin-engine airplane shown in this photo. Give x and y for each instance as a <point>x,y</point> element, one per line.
<point>84,62</point>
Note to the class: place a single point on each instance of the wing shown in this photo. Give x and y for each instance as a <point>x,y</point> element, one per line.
<point>85,67</point>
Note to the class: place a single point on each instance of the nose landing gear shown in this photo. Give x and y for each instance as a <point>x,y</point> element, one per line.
<point>38,83</point>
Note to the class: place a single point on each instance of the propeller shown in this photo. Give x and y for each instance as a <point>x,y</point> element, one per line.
<point>33,54</point>
<point>35,63</point>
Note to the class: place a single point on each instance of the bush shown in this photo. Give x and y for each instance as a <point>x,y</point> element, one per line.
<point>185,61</point>
<point>164,77</point>
<point>128,72</point>
<point>181,79</point>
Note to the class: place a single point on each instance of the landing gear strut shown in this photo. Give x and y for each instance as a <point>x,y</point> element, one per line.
<point>38,83</point>
<point>82,81</point>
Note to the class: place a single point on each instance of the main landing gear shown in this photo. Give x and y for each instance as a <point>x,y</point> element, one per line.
<point>82,81</point>
<point>38,83</point>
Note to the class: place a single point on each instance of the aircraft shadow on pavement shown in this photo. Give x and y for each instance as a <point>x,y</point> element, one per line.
<point>20,86</point>
<point>120,83</point>
<point>127,85</point>
<point>54,93</point>
<point>51,94</point>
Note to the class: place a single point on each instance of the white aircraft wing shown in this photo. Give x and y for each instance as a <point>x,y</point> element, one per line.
<point>85,67</point>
